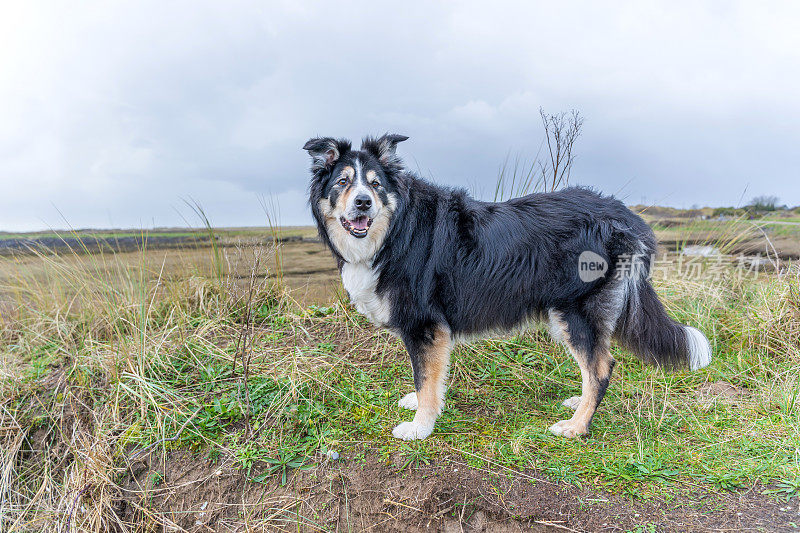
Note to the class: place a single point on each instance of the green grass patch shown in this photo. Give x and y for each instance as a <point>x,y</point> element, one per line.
<point>244,374</point>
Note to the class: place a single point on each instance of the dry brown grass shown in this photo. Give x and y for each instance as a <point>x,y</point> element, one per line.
<point>106,360</point>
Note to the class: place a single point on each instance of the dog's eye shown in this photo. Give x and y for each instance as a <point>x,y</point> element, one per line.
<point>342,181</point>
<point>375,184</point>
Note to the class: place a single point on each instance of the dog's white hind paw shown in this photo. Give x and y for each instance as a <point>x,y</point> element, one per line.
<point>409,401</point>
<point>572,403</point>
<point>568,428</point>
<point>412,431</point>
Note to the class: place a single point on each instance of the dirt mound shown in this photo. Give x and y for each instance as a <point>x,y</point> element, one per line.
<point>185,491</point>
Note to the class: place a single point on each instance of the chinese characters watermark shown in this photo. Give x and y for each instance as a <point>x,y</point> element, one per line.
<point>716,267</point>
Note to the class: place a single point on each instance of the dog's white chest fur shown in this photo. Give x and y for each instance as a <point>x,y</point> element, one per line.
<point>360,281</point>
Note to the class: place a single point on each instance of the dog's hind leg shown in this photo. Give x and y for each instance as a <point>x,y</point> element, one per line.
<point>430,359</point>
<point>591,351</point>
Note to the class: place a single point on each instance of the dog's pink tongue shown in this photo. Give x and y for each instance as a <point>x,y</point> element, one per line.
<point>359,223</point>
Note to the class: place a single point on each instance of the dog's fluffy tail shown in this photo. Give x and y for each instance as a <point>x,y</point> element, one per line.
<point>645,329</point>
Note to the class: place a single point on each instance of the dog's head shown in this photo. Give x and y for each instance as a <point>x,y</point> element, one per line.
<point>354,193</point>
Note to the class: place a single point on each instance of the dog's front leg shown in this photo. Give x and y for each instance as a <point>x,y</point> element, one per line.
<point>430,360</point>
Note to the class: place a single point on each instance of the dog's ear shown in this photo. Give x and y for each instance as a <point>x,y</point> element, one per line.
<point>325,151</point>
<point>384,147</point>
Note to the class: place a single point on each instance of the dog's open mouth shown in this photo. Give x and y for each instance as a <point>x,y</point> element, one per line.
<point>358,227</point>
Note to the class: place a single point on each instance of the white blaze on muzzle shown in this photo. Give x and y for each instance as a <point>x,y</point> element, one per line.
<point>357,219</point>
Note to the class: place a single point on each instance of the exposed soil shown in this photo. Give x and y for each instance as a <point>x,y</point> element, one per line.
<point>359,495</point>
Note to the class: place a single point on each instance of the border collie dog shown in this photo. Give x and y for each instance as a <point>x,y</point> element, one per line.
<point>435,266</point>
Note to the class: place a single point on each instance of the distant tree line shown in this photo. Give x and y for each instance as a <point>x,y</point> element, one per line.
<point>760,205</point>
<point>765,203</point>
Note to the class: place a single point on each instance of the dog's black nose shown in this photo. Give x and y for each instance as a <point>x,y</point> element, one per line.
<point>363,202</point>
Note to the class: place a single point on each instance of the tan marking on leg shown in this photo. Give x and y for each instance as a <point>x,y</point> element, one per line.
<point>580,420</point>
<point>434,365</point>
<point>593,373</point>
<point>436,362</point>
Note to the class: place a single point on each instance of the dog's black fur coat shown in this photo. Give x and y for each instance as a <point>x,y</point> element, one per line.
<point>479,266</point>
<point>476,267</point>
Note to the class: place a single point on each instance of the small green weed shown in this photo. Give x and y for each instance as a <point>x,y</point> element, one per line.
<point>286,461</point>
<point>786,489</point>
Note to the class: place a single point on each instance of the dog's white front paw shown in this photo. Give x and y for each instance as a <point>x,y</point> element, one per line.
<point>412,431</point>
<point>569,429</point>
<point>572,403</point>
<point>409,401</point>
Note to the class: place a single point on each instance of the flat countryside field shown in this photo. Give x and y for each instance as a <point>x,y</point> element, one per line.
<point>224,383</point>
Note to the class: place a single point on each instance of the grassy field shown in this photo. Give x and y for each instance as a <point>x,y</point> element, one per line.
<point>223,388</point>
<point>767,235</point>
<point>92,234</point>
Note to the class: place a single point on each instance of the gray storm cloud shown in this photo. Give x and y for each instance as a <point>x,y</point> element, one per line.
<point>112,113</point>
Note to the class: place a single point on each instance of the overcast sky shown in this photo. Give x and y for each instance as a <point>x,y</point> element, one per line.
<point>112,113</point>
